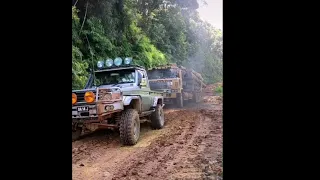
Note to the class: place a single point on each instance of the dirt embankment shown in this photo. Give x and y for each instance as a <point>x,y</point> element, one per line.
<point>188,147</point>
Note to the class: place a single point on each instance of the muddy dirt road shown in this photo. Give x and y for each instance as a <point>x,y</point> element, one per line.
<point>188,147</point>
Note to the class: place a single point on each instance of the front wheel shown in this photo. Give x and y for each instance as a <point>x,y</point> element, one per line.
<point>129,127</point>
<point>157,118</point>
<point>179,100</point>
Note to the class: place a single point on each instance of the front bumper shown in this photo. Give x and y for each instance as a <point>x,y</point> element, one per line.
<point>96,110</point>
<point>84,114</point>
<point>170,93</point>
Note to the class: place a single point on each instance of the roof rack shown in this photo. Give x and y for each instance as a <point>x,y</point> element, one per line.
<point>165,66</point>
<point>119,67</point>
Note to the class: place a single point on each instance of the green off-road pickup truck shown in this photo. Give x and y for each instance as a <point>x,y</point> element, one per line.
<point>116,96</point>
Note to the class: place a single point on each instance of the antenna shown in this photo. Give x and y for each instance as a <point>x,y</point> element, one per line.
<point>92,69</point>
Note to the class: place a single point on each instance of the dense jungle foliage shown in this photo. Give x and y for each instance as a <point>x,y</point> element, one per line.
<point>153,32</point>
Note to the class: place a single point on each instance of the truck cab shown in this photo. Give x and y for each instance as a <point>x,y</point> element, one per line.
<point>169,80</point>
<point>178,84</point>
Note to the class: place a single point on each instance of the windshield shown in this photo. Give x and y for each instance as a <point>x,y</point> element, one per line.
<point>115,77</point>
<point>163,73</point>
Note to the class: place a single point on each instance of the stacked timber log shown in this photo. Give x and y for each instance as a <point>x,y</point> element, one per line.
<point>189,74</point>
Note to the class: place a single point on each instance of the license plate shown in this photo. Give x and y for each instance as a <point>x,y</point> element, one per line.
<point>83,108</point>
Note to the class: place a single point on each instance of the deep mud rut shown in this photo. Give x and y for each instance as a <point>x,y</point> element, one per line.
<point>188,147</point>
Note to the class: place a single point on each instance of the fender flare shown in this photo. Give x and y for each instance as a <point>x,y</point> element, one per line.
<point>127,101</point>
<point>156,99</point>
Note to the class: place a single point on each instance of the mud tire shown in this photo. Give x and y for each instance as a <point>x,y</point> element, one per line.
<point>179,100</point>
<point>157,118</point>
<point>129,127</point>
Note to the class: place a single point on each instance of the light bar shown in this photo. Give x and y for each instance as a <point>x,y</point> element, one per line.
<point>127,60</point>
<point>100,64</point>
<point>117,61</point>
<point>109,62</point>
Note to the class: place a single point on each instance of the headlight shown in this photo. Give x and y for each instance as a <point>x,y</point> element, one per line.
<point>116,95</point>
<point>74,98</point>
<point>109,62</point>
<point>107,96</point>
<point>89,97</point>
<point>117,61</point>
<point>170,83</point>
<point>100,64</point>
<point>127,60</point>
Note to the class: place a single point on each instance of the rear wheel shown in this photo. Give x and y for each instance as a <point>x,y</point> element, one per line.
<point>129,127</point>
<point>179,100</point>
<point>157,118</point>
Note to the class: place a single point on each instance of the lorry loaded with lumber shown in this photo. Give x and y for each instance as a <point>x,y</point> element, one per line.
<point>179,84</point>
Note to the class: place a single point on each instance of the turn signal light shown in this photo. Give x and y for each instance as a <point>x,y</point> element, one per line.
<point>74,98</point>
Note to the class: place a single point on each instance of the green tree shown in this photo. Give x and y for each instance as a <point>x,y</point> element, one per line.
<point>153,32</point>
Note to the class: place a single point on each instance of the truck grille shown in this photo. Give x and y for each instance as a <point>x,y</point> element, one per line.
<point>159,85</point>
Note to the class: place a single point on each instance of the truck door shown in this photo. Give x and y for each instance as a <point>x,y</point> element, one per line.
<point>147,100</point>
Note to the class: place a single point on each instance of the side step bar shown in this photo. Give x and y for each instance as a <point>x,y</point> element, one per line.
<point>146,113</point>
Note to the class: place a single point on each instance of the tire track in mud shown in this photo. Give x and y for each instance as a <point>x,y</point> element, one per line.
<point>189,147</point>
<point>159,159</point>
<point>97,155</point>
<point>204,158</point>
<point>182,154</point>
